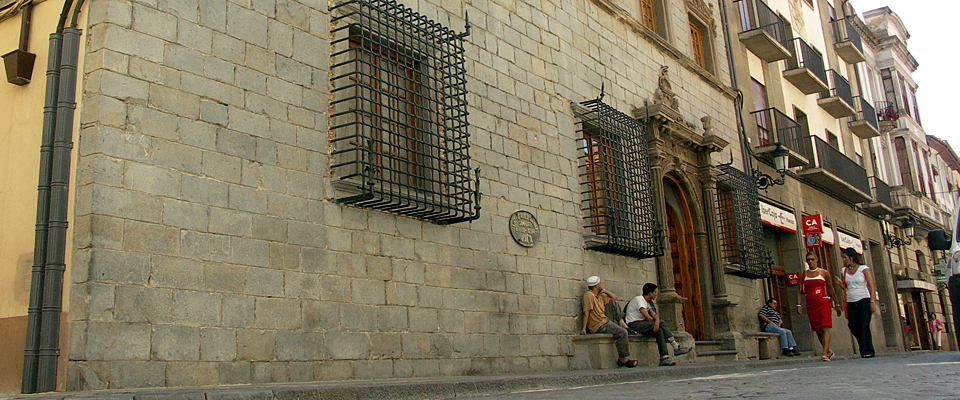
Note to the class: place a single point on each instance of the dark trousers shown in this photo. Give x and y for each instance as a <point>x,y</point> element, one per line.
<point>954,285</point>
<point>662,335</point>
<point>858,319</point>
<point>620,334</point>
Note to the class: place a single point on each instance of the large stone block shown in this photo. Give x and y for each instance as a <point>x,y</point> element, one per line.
<point>231,222</point>
<point>256,345</point>
<point>272,313</point>
<point>137,374</point>
<point>320,316</point>
<point>218,344</point>
<point>354,317</point>
<point>224,278</point>
<point>246,25</point>
<point>264,282</point>
<point>238,311</point>
<point>176,272</point>
<point>192,374</point>
<point>117,341</point>
<point>346,345</point>
<point>299,346</point>
<point>185,215</point>
<point>205,246</point>
<point>204,191</point>
<point>172,154</point>
<point>119,267</point>
<point>301,286</point>
<point>175,343</point>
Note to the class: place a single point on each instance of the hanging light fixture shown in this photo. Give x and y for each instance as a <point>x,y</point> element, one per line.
<point>781,156</point>
<point>908,230</point>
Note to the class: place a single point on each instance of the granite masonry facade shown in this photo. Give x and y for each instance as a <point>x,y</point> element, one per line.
<point>208,248</point>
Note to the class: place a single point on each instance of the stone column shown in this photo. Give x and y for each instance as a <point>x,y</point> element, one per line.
<point>719,302</point>
<point>669,302</point>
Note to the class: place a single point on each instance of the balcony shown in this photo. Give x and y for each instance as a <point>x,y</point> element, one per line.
<point>882,203</point>
<point>837,100</point>
<point>847,41</point>
<point>836,173</point>
<point>773,128</point>
<point>762,31</point>
<point>922,209</point>
<point>805,68</point>
<point>864,123</point>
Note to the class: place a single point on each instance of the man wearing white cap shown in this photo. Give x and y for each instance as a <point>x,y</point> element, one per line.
<point>595,319</point>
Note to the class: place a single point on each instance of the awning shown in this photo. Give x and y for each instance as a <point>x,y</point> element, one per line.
<point>777,217</point>
<point>847,241</point>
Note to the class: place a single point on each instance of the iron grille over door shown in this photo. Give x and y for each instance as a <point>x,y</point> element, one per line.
<point>617,199</point>
<point>399,113</point>
<point>741,236</point>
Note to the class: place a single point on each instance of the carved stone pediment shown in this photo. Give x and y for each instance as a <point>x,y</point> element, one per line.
<point>669,125</point>
<point>703,12</point>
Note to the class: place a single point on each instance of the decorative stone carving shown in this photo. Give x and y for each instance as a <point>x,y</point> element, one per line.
<point>703,12</point>
<point>664,93</point>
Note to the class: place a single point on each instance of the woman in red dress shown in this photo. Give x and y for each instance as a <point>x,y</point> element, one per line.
<point>820,296</point>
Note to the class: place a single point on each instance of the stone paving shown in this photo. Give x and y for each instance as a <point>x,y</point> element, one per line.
<point>909,376</point>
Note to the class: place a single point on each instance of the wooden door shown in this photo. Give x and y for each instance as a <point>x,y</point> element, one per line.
<point>686,276</point>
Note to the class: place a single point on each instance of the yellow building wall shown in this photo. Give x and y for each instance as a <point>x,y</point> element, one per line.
<point>21,119</point>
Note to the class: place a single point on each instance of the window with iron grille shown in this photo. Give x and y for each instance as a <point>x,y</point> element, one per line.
<point>617,199</point>
<point>741,236</point>
<point>399,120</point>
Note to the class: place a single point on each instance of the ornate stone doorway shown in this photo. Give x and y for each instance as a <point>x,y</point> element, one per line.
<point>683,253</point>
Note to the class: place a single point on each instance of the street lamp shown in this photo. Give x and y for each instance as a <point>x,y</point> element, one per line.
<point>781,156</point>
<point>908,230</point>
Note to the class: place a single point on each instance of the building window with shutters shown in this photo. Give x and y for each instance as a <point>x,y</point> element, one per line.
<point>700,45</point>
<point>399,119</point>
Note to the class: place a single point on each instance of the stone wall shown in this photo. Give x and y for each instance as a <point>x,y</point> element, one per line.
<point>208,248</point>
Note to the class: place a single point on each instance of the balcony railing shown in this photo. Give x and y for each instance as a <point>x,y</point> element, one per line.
<point>773,127</point>
<point>887,111</point>
<point>840,167</point>
<point>881,192</point>
<point>849,46</point>
<point>805,67</point>
<point>763,32</point>
<point>864,123</point>
<point>837,99</point>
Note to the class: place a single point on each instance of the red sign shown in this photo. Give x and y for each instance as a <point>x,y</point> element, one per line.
<point>793,279</point>
<point>812,224</point>
<point>813,240</point>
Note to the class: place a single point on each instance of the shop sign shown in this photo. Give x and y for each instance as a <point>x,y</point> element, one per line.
<point>827,236</point>
<point>847,241</point>
<point>793,279</point>
<point>812,223</point>
<point>813,240</point>
<point>777,217</point>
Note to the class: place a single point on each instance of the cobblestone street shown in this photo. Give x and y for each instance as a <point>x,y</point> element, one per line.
<point>912,376</point>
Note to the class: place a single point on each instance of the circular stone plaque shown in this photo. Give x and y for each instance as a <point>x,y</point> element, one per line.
<point>524,228</point>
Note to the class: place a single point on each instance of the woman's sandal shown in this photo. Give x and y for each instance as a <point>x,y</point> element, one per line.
<point>824,358</point>
<point>628,364</point>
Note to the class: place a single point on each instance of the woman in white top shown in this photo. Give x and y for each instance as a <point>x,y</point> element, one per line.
<point>860,292</point>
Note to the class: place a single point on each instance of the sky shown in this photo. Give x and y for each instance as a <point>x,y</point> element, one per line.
<point>932,42</point>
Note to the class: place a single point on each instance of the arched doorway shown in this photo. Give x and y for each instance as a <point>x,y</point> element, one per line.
<point>683,253</point>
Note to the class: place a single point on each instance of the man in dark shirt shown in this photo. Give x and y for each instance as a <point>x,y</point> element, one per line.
<point>770,321</point>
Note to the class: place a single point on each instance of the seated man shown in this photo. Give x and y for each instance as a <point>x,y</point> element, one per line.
<point>770,321</point>
<point>642,317</point>
<point>595,319</point>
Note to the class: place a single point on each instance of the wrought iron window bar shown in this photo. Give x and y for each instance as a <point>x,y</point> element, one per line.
<point>400,113</point>
<point>617,196</point>
<point>741,235</point>
<point>755,14</point>
<point>804,56</point>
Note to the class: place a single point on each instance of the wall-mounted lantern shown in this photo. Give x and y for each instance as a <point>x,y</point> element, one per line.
<point>781,156</point>
<point>908,231</point>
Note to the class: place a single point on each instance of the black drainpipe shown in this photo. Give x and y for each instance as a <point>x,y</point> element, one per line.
<point>43,330</point>
<point>32,347</point>
<point>738,102</point>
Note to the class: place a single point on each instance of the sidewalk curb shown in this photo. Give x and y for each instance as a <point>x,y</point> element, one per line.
<point>424,388</point>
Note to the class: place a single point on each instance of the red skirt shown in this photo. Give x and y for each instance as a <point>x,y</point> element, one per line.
<point>819,312</point>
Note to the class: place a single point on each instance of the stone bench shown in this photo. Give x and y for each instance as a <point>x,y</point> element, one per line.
<point>761,345</point>
<point>599,351</point>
